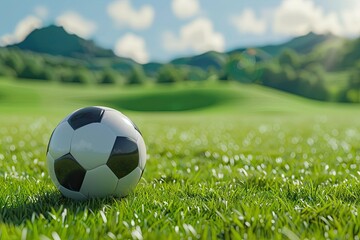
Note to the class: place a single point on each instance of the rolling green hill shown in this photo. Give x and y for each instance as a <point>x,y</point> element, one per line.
<point>302,45</point>
<point>54,41</point>
<point>205,61</point>
<point>212,98</point>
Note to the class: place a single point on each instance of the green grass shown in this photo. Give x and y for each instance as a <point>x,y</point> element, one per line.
<point>261,165</point>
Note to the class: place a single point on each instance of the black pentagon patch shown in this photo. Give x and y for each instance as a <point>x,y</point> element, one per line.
<point>85,116</point>
<point>69,172</point>
<point>124,157</point>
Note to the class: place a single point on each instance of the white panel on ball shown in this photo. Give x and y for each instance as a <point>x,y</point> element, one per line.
<point>142,152</point>
<point>92,144</point>
<point>51,163</point>
<point>119,124</point>
<point>128,183</point>
<point>99,182</point>
<point>61,139</point>
<point>72,194</point>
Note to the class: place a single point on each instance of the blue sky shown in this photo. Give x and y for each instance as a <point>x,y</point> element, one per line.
<point>156,30</point>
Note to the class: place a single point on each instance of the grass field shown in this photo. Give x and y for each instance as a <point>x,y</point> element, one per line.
<point>242,162</point>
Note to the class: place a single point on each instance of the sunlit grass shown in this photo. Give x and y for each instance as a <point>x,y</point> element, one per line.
<point>292,173</point>
<point>226,177</point>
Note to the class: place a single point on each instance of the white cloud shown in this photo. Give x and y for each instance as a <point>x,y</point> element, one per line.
<point>123,14</point>
<point>22,29</point>
<point>185,8</point>
<point>41,11</point>
<point>298,17</point>
<point>75,23</point>
<point>351,19</point>
<point>199,35</point>
<point>247,22</point>
<point>132,46</point>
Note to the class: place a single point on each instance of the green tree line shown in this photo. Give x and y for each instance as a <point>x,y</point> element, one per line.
<point>304,75</point>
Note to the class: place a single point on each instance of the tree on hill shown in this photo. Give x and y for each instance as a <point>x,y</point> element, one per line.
<point>308,81</point>
<point>289,57</point>
<point>351,54</point>
<point>354,83</point>
<point>108,76</point>
<point>311,85</point>
<point>351,92</point>
<point>189,73</point>
<point>137,75</point>
<point>63,74</point>
<point>169,74</point>
<point>6,71</point>
<point>34,69</point>
<point>14,61</point>
<point>79,76</point>
<point>283,78</point>
<point>83,76</point>
<point>242,67</point>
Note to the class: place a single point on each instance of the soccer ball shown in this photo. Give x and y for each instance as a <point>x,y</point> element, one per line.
<point>96,152</point>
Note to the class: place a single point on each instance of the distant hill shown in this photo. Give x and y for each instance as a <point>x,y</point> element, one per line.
<point>204,61</point>
<point>54,40</point>
<point>152,68</point>
<point>303,45</point>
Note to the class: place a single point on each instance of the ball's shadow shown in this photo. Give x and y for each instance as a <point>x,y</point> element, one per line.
<point>40,206</point>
